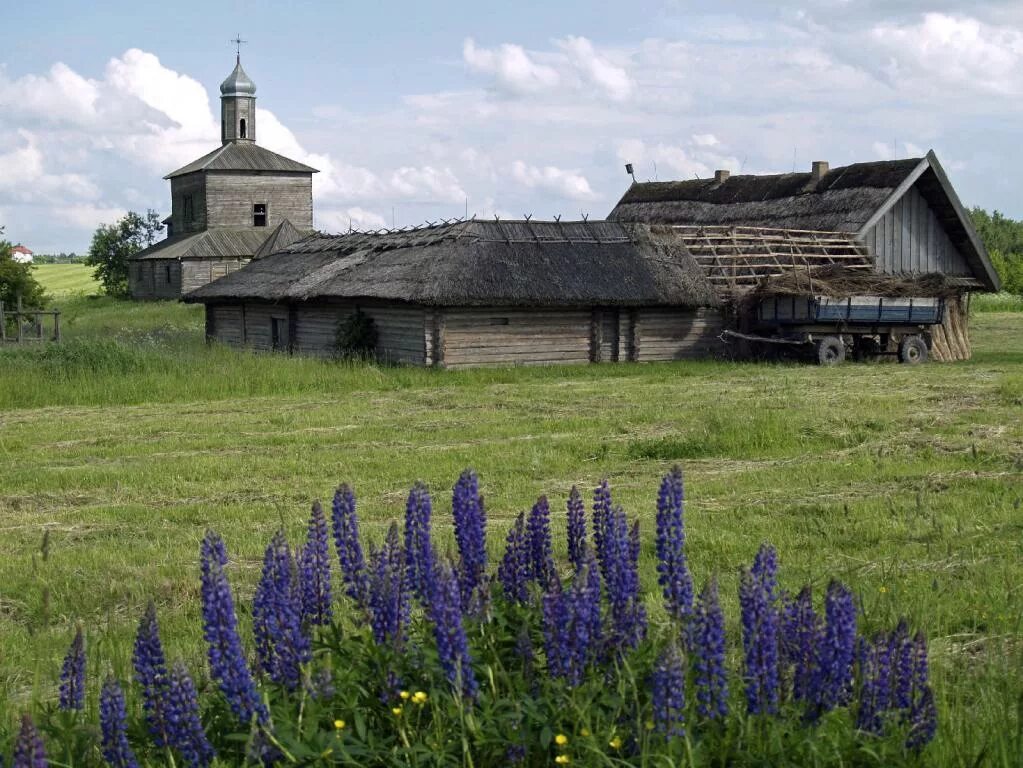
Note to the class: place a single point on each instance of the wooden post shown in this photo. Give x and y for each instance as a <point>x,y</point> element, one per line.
<point>17,319</point>
<point>56,325</point>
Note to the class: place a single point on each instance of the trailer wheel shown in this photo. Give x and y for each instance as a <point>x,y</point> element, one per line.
<point>912,350</point>
<point>830,350</point>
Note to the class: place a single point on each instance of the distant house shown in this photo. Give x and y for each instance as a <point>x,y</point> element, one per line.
<point>660,280</point>
<point>21,254</point>
<point>226,206</point>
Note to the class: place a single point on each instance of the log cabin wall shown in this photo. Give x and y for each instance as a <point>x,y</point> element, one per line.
<point>198,272</point>
<point>231,197</point>
<point>154,279</point>
<point>672,333</point>
<point>190,217</point>
<point>501,336</point>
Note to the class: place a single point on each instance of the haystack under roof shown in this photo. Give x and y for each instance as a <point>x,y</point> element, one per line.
<point>479,263</point>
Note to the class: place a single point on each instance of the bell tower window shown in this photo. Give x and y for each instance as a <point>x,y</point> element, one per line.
<point>259,215</point>
<point>241,128</point>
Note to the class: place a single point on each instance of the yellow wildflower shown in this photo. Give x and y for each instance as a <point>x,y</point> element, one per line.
<point>339,724</point>
<point>563,759</point>
<point>404,695</point>
<point>649,725</point>
<point>584,732</point>
<point>616,742</point>
<point>883,589</point>
<point>419,697</point>
<point>396,711</point>
<point>561,739</point>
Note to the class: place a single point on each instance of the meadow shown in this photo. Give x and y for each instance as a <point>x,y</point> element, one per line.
<point>62,280</point>
<point>121,447</point>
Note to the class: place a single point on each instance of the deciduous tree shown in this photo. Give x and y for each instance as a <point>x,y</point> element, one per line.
<point>114,244</point>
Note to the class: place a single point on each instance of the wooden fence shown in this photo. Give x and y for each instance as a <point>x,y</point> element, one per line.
<point>28,323</point>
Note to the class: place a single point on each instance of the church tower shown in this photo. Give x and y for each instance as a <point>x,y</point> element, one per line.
<point>237,106</point>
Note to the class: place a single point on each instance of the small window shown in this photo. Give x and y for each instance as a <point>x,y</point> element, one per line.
<point>497,321</point>
<point>167,273</point>
<point>259,215</point>
<point>278,333</point>
<point>241,128</point>
<point>188,213</point>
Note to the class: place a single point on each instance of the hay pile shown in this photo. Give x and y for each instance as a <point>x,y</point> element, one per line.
<point>841,282</point>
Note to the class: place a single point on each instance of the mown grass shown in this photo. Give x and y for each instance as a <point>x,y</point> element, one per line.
<point>129,441</point>
<point>62,280</point>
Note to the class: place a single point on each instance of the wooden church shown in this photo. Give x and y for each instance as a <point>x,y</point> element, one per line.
<point>229,206</point>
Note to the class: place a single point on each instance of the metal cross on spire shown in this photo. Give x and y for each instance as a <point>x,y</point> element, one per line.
<point>238,45</point>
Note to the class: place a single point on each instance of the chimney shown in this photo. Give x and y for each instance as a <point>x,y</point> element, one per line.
<point>818,170</point>
<point>721,176</point>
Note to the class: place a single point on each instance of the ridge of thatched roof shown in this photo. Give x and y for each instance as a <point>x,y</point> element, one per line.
<point>479,263</point>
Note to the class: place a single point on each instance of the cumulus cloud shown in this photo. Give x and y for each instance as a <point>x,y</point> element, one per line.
<point>24,177</point>
<point>511,67</point>
<point>597,69</point>
<point>570,184</point>
<point>340,220</point>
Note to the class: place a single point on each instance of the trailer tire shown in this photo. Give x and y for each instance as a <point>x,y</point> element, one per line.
<point>830,350</point>
<point>912,350</point>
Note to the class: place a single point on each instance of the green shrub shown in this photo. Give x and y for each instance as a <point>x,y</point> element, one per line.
<point>356,337</point>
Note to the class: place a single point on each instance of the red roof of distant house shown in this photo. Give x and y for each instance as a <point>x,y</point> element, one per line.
<point>21,249</point>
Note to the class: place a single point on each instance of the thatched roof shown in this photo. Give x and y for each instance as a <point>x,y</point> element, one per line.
<point>214,243</point>
<point>479,263</point>
<point>242,156</point>
<point>842,201</point>
<point>838,281</point>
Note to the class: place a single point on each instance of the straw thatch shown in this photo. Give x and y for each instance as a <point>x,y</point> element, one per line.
<point>479,263</point>
<point>842,282</point>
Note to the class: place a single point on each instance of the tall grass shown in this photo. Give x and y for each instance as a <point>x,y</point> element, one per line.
<point>996,302</point>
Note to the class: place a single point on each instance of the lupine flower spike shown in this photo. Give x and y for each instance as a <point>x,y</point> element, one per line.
<point>446,614</point>
<point>760,632</point>
<point>220,629</point>
<point>707,637</point>
<point>668,692</point>
<point>112,719</point>
<point>538,533</point>
<point>72,675</point>
<point>346,540</point>
<point>514,570</point>
<point>672,571</point>
<point>470,534</point>
<point>186,734</point>
<point>389,599</point>
<point>419,559</point>
<point>29,751</point>
<point>151,674</point>
<point>576,528</point>
<point>837,650</point>
<point>572,625</point>
<point>314,571</point>
<point>621,578</point>
<point>281,646</point>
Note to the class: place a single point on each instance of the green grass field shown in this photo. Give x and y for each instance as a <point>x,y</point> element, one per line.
<point>61,280</point>
<point>131,439</point>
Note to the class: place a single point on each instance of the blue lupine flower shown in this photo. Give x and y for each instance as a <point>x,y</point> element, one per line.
<point>760,636</point>
<point>572,625</point>
<point>765,570</point>
<point>708,647</point>
<point>151,674</point>
<point>621,578</point>
<point>419,559</point>
<point>29,750</point>
<point>389,599</point>
<point>470,534</point>
<point>902,667</point>
<point>314,571</point>
<point>601,520</point>
<point>538,534</point>
<point>576,528</point>
<point>668,683</point>
<point>837,650</point>
<point>800,629</point>
<point>112,720</point>
<point>514,570</point>
<point>869,712</point>
<point>445,611</point>
<point>923,714</point>
<point>281,646</point>
<point>672,571</point>
<point>220,629</point>
<point>72,675</point>
<point>346,540</point>
<point>186,733</point>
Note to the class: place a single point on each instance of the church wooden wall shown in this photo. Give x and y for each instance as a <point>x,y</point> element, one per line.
<point>193,184</point>
<point>231,195</point>
<point>154,279</point>
<point>197,272</point>
<point>466,337</point>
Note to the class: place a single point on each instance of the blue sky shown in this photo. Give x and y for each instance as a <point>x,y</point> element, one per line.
<point>412,109</point>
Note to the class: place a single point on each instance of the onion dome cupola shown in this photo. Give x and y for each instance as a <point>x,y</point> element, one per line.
<point>238,107</point>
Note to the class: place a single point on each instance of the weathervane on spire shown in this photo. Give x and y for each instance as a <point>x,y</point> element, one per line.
<point>238,46</point>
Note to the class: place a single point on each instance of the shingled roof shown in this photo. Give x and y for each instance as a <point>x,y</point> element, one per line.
<point>208,244</point>
<point>479,263</point>
<point>242,156</point>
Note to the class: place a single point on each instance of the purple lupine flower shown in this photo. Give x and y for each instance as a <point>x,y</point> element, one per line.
<point>869,711</point>
<point>621,578</point>
<point>112,720</point>
<point>538,536</point>
<point>668,683</point>
<point>314,571</point>
<point>571,624</point>
<point>799,632</point>
<point>281,646</point>
<point>186,733</point>
<point>601,519</point>
<point>576,528</point>
<point>419,558</point>
<point>923,714</point>
<point>765,570</point>
<point>445,611</point>
<point>470,534</point>
<point>220,630</point>
<point>72,675</point>
<point>151,674</point>
<point>389,600</point>
<point>672,571</point>
<point>515,754</point>
<point>837,649</point>
<point>29,750</point>
<point>759,640</point>
<point>902,667</point>
<point>708,647</point>
<point>346,539</point>
<point>513,572</point>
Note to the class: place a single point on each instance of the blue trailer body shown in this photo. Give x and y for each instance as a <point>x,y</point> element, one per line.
<point>851,311</point>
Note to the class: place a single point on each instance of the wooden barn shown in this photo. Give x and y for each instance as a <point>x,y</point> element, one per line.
<point>477,293</point>
<point>898,218</point>
<point>233,203</point>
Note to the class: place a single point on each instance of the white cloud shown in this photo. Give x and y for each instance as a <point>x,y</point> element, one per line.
<point>333,220</point>
<point>24,178</point>
<point>437,184</point>
<point>596,68</point>
<point>705,140</point>
<point>89,217</point>
<point>511,67</point>
<point>570,184</point>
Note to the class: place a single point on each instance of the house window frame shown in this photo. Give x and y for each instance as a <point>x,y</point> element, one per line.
<point>167,273</point>
<point>260,218</point>
<point>242,129</point>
